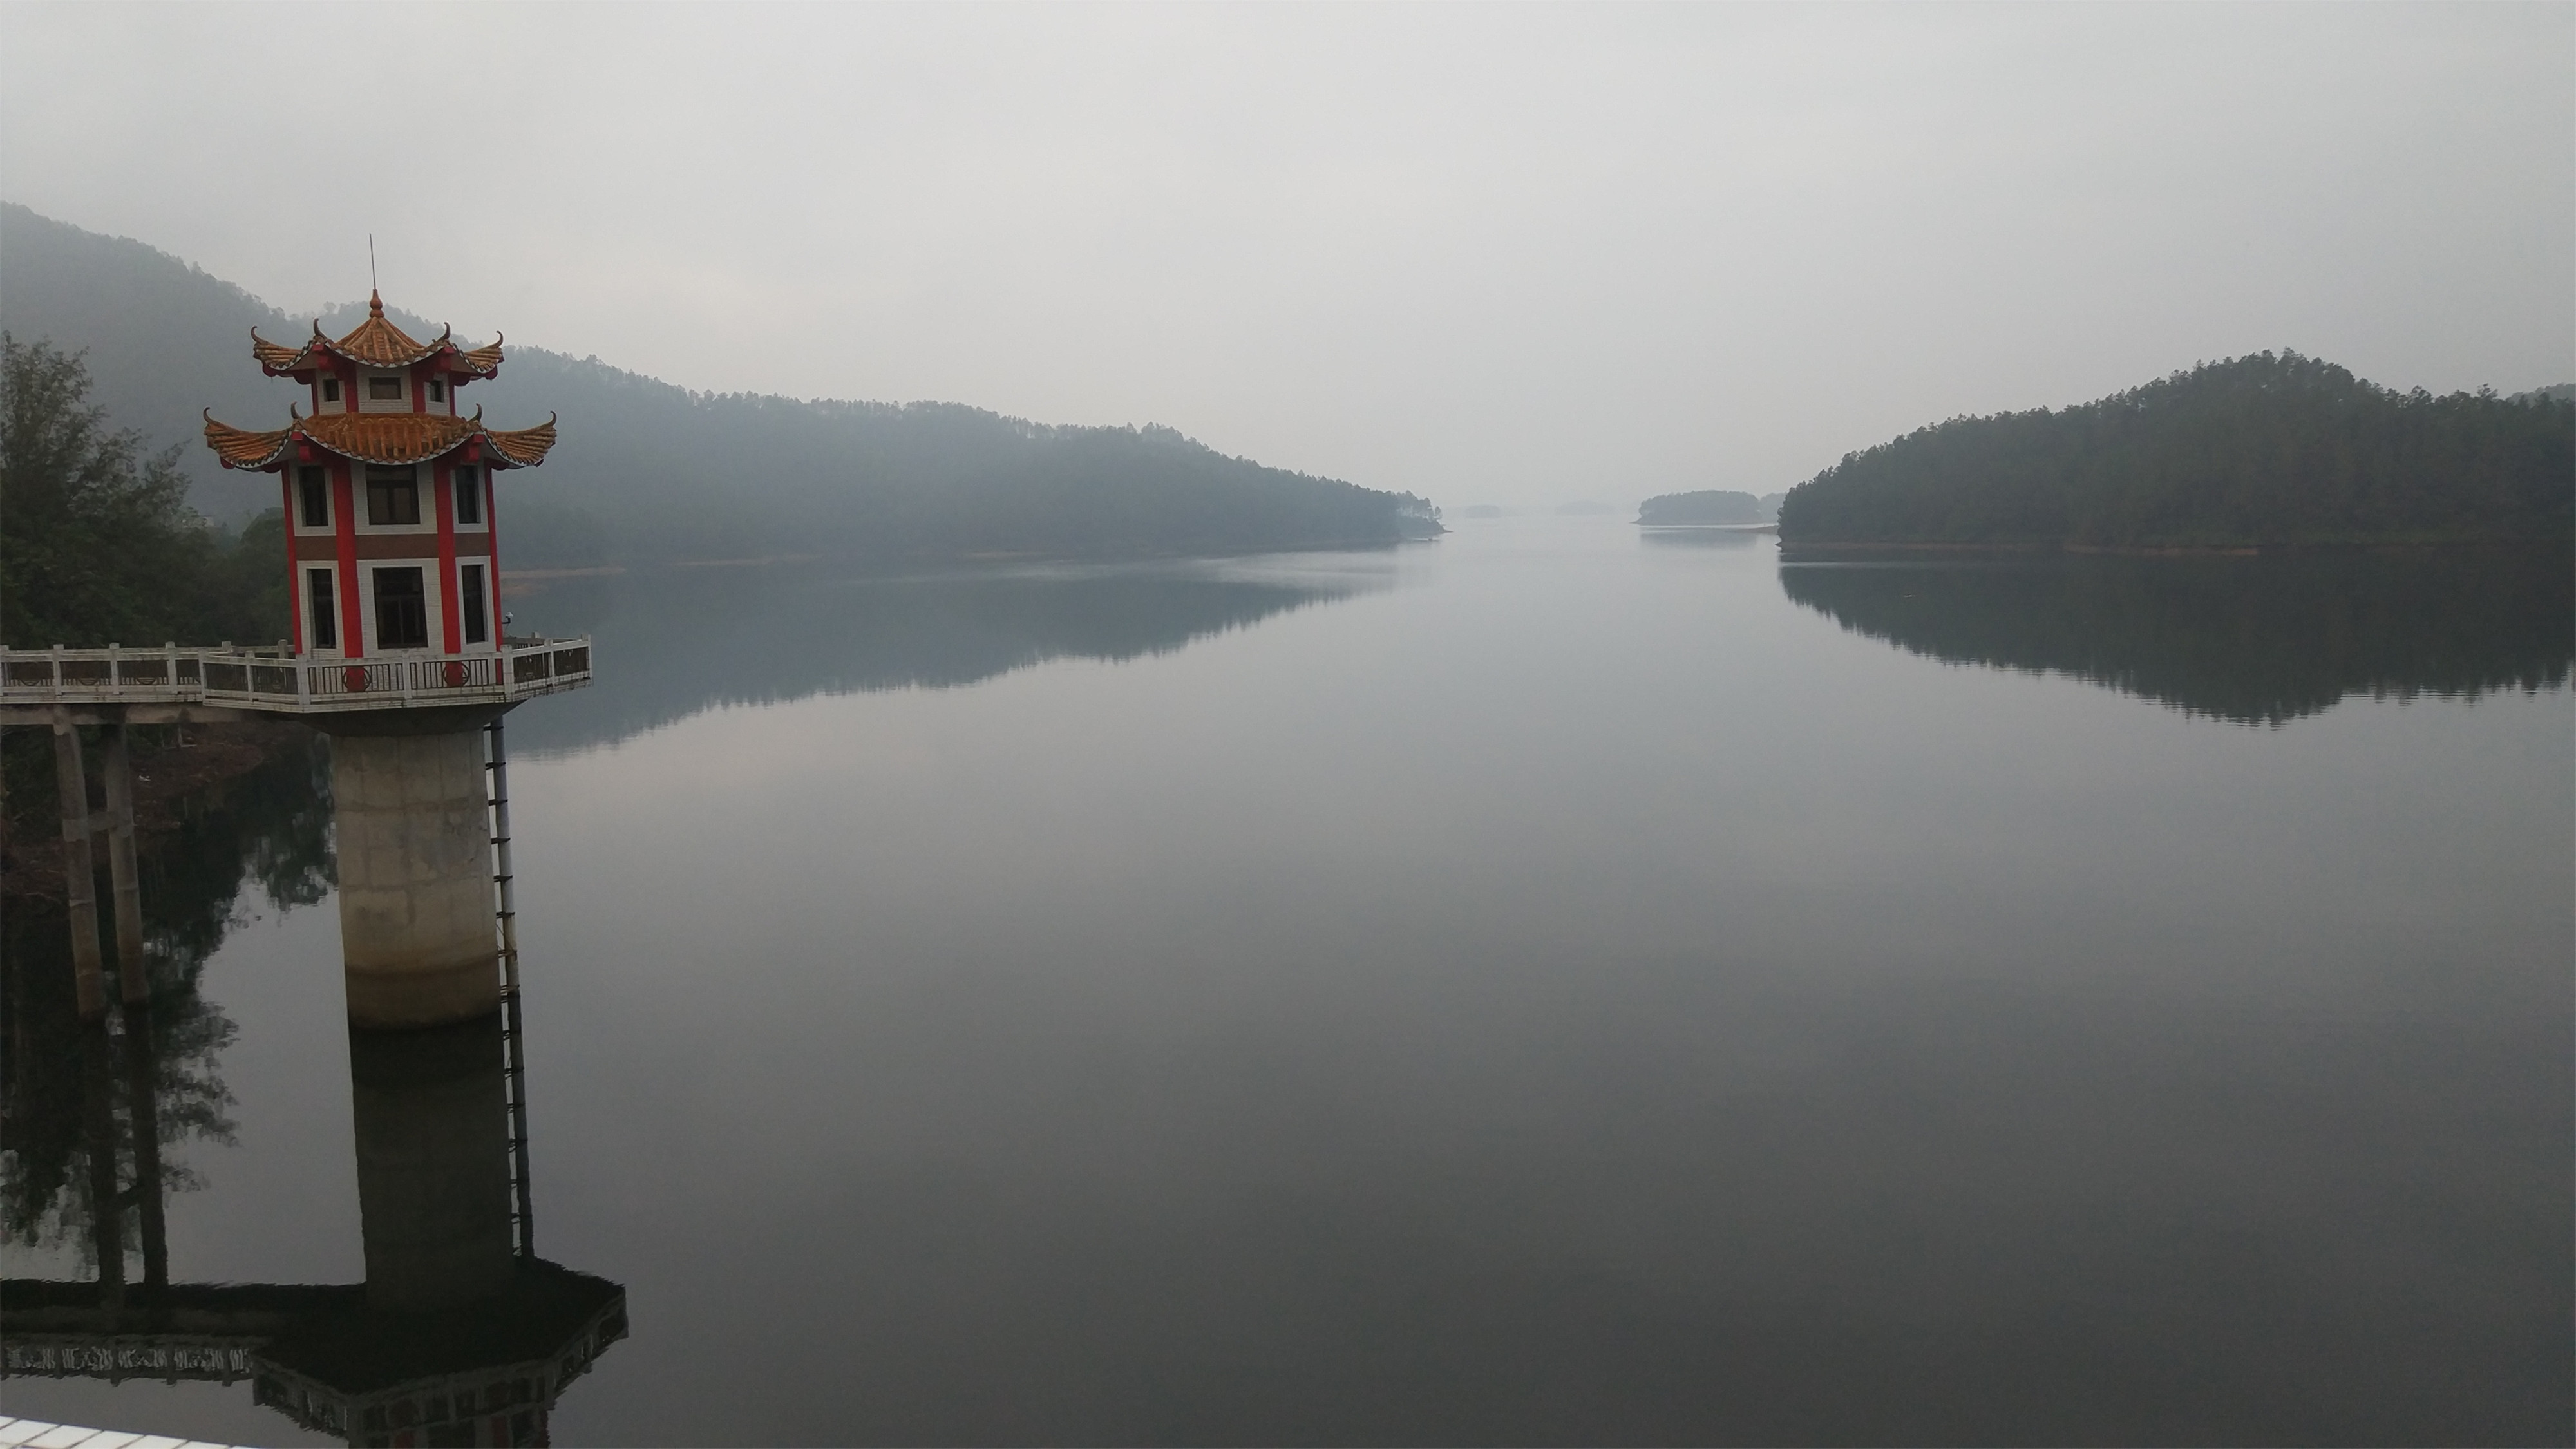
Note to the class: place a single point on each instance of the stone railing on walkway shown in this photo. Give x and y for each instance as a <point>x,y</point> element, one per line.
<point>272,679</point>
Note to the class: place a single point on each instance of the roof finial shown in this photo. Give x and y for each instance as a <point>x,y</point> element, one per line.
<point>375,303</point>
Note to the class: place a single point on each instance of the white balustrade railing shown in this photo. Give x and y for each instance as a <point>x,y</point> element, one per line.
<point>274,678</point>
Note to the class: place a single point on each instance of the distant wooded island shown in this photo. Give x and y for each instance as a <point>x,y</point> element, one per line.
<point>1708,507</point>
<point>2255,452</point>
<point>653,472</point>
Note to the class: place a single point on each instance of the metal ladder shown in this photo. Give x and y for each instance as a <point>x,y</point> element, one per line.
<point>514,1070</point>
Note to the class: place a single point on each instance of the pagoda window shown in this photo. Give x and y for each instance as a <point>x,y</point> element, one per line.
<point>438,389</point>
<point>313,497</point>
<point>330,389</point>
<point>469,495</point>
<point>402,610</point>
<point>318,607</point>
<point>393,495</point>
<point>384,389</point>
<point>470,594</point>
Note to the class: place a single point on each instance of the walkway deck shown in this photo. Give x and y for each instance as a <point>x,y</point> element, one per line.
<point>228,681</point>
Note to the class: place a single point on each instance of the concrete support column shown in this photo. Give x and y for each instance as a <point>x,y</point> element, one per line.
<point>116,762</point>
<point>433,1165</point>
<point>71,781</point>
<point>415,858</point>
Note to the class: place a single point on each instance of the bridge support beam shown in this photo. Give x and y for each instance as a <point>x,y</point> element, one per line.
<point>415,853</point>
<point>80,882</point>
<point>116,762</point>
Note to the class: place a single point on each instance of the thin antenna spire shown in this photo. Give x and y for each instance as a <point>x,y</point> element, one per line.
<point>371,261</point>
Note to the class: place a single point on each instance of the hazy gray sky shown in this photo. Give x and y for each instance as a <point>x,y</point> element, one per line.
<point>1515,254</point>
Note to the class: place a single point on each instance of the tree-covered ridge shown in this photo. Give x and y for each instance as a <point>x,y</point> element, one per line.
<point>650,471</point>
<point>1708,506</point>
<point>2257,641</point>
<point>2257,451</point>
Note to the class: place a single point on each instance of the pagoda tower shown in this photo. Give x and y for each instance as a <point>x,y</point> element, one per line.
<point>388,492</point>
<point>397,591</point>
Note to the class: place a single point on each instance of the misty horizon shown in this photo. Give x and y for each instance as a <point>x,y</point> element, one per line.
<point>1509,257</point>
<point>336,316</point>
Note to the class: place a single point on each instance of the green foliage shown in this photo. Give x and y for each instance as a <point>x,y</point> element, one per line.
<point>97,542</point>
<point>2257,451</point>
<point>246,598</point>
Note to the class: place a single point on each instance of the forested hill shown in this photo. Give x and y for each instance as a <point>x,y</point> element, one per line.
<point>1708,506</point>
<point>2256,451</point>
<point>651,471</point>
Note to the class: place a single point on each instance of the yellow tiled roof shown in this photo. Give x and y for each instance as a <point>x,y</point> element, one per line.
<point>381,438</point>
<point>387,437</point>
<point>241,448</point>
<point>375,342</point>
<point>526,447</point>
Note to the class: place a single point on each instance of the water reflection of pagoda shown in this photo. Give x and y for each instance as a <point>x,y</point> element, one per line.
<point>460,1333</point>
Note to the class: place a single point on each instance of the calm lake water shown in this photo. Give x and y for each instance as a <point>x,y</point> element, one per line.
<point>1553,985</point>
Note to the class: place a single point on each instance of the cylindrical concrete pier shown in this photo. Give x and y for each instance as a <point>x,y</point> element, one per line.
<point>415,857</point>
<point>433,1165</point>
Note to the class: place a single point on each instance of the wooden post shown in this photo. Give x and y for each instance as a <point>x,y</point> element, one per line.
<point>80,886</point>
<point>117,764</point>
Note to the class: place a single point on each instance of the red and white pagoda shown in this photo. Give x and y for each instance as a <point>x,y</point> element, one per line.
<point>388,492</point>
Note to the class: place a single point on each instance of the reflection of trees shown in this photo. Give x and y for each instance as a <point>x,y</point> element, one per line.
<point>63,1086</point>
<point>699,638</point>
<point>2251,640</point>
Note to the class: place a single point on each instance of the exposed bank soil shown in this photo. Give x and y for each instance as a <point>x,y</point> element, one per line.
<point>167,772</point>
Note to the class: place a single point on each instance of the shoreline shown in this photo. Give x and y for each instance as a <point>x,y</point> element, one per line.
<point>2213,550</point>
<point>165,779</point>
